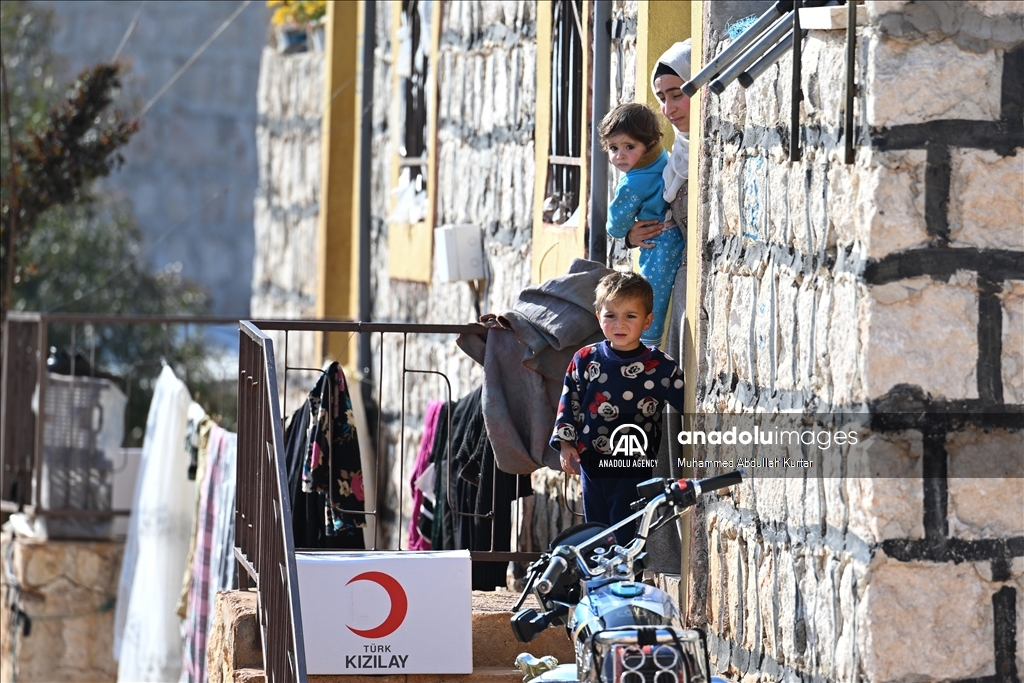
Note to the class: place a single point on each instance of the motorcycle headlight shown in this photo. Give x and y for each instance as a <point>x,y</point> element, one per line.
<point>646,664</point>
<point>671,656</point>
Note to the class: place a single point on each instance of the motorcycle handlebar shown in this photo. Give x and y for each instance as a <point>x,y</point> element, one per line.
<point>551,575</point>
<point>682,493</point>
<point>720,481</point>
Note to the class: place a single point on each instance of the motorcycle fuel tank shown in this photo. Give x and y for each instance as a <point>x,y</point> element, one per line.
<point>622,604</point>
<point>619,604</point>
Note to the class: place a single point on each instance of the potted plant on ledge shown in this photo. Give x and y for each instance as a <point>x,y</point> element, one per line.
<point>299,24</point>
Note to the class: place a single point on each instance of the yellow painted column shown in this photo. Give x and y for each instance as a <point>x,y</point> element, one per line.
<point>337,266</point>
<point>694,240</point>
<point>659,24</point>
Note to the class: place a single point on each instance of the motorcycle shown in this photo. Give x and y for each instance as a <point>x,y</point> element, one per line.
<point>622,631</point>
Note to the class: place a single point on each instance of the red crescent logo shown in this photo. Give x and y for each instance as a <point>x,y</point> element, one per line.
<point>399,605</point>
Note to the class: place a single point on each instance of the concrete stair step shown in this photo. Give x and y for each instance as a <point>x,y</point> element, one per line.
<point>233,652</point>
<point>493,642</point>
<point>483,674</point>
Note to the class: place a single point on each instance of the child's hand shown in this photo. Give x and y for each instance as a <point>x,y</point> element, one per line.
<point>643,231</point>
<point>570,458</point>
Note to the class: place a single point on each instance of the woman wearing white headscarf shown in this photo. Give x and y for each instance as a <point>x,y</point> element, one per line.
<point>671,71</point>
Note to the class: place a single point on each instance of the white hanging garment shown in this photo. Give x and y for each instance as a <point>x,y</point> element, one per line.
<point>147,631</point>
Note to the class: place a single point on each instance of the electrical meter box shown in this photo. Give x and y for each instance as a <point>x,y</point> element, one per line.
<point>459,252</point>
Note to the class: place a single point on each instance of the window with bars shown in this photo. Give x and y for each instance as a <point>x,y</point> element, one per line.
<point>413,73</point>
<point>565,159</point>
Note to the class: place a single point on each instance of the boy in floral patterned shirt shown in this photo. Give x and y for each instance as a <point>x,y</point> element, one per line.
<point>608,426</point>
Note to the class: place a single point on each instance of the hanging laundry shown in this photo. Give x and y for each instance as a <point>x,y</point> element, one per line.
<point>423,487</point>
<point>469,488</point>
<point>446,444</point>
<point>324,469</point>
<point>147,632</point>
<point>482,490</point>
<point>197,437</point>
<point>214,533</point>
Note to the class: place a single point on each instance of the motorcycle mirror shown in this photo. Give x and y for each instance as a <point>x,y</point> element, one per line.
<point>527,623</point>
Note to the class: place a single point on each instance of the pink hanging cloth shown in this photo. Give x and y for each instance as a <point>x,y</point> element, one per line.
<point>416,539</point>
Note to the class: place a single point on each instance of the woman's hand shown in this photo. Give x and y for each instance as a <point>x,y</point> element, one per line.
<point>643,231</point>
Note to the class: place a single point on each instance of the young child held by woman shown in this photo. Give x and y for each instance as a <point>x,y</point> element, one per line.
<point>632,137</point>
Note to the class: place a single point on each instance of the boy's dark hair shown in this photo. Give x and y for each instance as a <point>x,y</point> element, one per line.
<point>619,285</point>
<point>635,120</point>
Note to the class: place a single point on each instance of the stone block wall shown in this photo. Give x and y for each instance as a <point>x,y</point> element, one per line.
<point>890,285</point>
<point>234,651</point>
<point>290,103</point>
<point>486,73</point>
<point>65,592</point>
<point>290,106</point>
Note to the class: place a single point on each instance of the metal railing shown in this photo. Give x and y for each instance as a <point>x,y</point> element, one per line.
<point>24,384</point>
<point>265,547</point>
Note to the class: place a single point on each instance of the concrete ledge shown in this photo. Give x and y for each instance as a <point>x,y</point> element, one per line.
<point>495,646</point>
<point>249,676</point>
<point>234,653</point>
<point>495,674</point>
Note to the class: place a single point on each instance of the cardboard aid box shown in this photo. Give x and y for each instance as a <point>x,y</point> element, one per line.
<point>386,612</point>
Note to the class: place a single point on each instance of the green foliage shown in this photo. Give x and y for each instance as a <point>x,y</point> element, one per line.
<point>51,150</point>
<point>75,143</point>
<point>87,258</point>
<point>25,31</point>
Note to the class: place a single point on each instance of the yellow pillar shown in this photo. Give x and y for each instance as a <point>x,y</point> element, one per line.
<point>659,24</point>
<point>694,241</point>
<point>337,267</point>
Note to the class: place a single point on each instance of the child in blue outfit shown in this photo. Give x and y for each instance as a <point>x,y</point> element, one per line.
<point>632,137</point>
<point>609,417</point>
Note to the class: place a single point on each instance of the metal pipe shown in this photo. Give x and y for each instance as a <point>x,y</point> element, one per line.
<point>713,67</point>
<point>369,34</point>
<point>796,94</point>
<point>598,241</point>
<point>753,53</point>
<point>851,48</point>
<point>99,318</point>
<point>41,383</point>
<point>747,78</point>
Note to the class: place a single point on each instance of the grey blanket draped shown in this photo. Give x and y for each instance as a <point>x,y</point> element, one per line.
<point>525,354</point>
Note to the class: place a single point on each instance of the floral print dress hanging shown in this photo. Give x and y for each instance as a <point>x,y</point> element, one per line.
<point>332,466</point>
